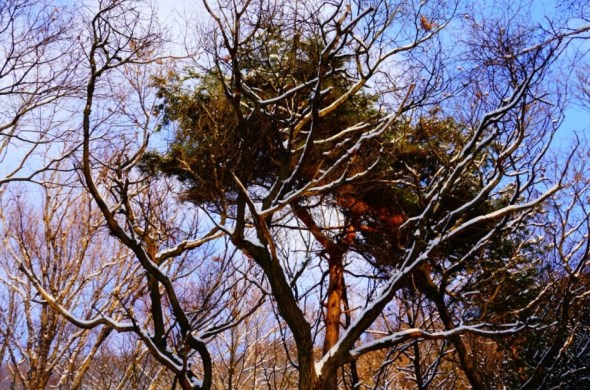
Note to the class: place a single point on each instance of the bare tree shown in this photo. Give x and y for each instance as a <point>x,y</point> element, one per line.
<point>56,249</point>
<point>560,357</point>
<point>182,302</point>
<point>269,99</point>
<point>253,356</point>
<point>38,75</point>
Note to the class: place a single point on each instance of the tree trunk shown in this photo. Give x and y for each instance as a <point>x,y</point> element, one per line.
<point>333,311</point>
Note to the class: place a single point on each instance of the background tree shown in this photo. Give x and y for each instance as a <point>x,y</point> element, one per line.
<point>57,248</point>
<point>38,78</point>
